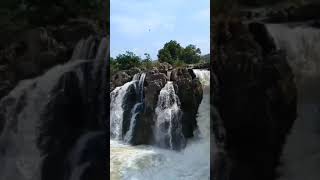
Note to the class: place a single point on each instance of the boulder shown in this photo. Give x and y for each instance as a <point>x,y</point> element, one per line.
<point>32,53</point>
<point>256,98</point>
<point>133,71</point>
<point>189,90</point>
<point>153,84</point>
<point>164,67</point>
<point>119,79</point>
<point>75,29</point>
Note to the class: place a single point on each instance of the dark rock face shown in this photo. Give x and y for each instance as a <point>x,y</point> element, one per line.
<point>199,66</point>
<point>68,101</point>
<point>74,109</point>
<point>72,31</point>
<point>122,77</point>
<point>189,91</point>
<point>89,149</point>
<point>281,11</point>
<point>153,84</point>
<point>187,87</point>
<point>256,98</point>
<point>262,36</point>
<point>131,99</point>
<point>32,53</point>
<point>36,50</point>
<point>164,67</point>
<point>66,112</point>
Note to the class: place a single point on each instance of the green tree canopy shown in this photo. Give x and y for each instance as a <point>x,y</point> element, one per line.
<point>170,52</point>
<point>191,54</point>
<point>147,58</point>
<point>127,60</point>
<point>173,52</point>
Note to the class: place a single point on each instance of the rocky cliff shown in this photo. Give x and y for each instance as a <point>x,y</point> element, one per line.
<point>186,85</point>
<point>255,99</point>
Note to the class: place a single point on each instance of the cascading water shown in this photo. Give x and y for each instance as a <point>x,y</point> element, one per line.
<point>149,162</point>
<point>117,110</point>
<point>137,108</point>
<point>301,154</point>
<point>168,129</point>
<point>21,115</point>
<point>204,77</point>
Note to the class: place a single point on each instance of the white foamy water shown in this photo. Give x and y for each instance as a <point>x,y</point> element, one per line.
<point>26,164</point>
<point>116,110</point>
<point>167,113</point>
<point>151,163</point>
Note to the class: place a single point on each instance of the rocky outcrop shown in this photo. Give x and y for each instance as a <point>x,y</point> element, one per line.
<point>36,50</point>
<point>164,67</point>
<point>153,84</point>
<point>199,66</point>
<point>187,87</point>
<point>255,97</point>
<point>189,91</point>
<point>66,106</point>
<point>122,77</point>
<point>284,11</point>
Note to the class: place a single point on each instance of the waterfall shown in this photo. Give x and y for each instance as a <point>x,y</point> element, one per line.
<point>84,49</point>
<point>302,46</point>
<point>204,77</point>
<point>21,113</point>
<point>117,107</point>
<point>151,162</point>
<point>204,110</point>
<point>136,109</point>
<point>168,130</point>
<point>32,108</point>
<point>300,157</point>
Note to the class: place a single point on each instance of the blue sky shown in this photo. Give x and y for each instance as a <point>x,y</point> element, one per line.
<point>144,26</point>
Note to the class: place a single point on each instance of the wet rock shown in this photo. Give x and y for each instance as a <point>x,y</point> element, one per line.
<point>261,35</point>
<point>32,53</point>
<point>153,84</point>
<point>164,67</point>
<point>133,71</point>
<point>189,90</point>
<point>74,30</point>
<point>119,79</point>
<point>256,98</point>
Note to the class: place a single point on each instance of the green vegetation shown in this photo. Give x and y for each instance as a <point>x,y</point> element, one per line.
<point>171,53</point>
<point>128,60</point>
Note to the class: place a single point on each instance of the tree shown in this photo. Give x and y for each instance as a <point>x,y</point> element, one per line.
<point>170,52</point>
<point>128,60</point>
<point>191,54</point>
<point>148,58</point>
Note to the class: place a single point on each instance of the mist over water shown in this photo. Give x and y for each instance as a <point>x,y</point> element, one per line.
<point>153,163</point>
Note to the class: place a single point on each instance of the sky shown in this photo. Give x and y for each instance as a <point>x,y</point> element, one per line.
<point>144,26</point>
